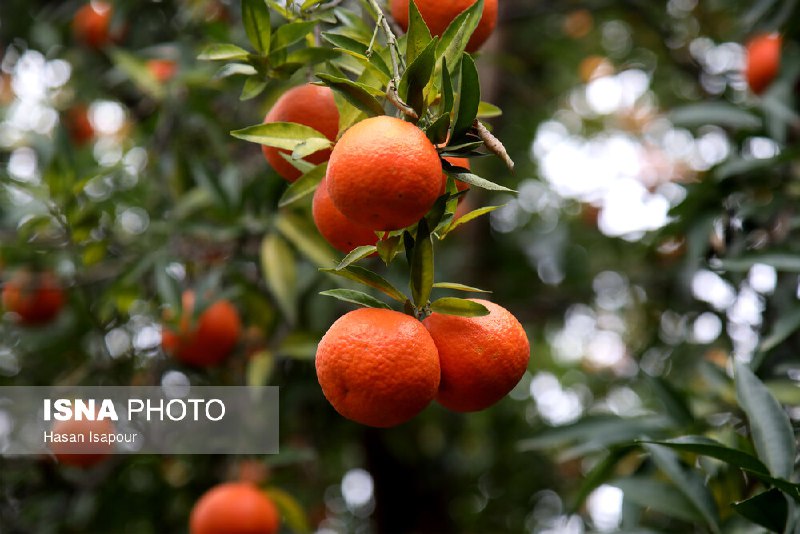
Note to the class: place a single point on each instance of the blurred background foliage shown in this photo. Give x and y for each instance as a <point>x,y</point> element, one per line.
<point>651,247</point>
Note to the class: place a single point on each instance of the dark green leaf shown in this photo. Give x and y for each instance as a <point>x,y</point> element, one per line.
<point>345,42</point>
<point>416,77</point>
<point>448,99</point>
<point>278,264</point>
<point>768,509</point>
<point>418,36</point>
<point>357,94</point>
<point>422,265</point>
<point>223,51</point>
<point>459,287</point>
<point>769,425</point>
<point>255,17</point>
<point>708,447</point>
<point>285,135</point>
<point>355,297</point>
<point>469,97</point>
<point>369,278</point>
<point>303,186</point>
<point>460,307</point>
<point>357,254</point>
<point>438,129</point>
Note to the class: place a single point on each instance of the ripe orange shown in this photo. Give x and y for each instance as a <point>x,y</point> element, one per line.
<point>438,14</point>
<point>311,105</point>
<point>162,70</point>
<point>234,508</point>
<point>84,454</point>
<point>384,174</point>
<point>91,23</point>
<point>338,230</point>
<point>36,298</point>
<point>78,126</point>
<point>763,61</point>
<point>210,340</point>
<point>458,162</point>
<point>482,358</point>
<point>378,367</point>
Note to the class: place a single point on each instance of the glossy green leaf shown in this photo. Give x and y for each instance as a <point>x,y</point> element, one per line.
<point>768,509</point>
<point>460,307</point>
<point>459,287</point>
<point>416,77</point>
<point>455,38</point>
<point>472,215</point>
<point>422,265</point>
<point>369,278</point>
<point>469,97</point>
<point>303,186</point>
<point>357,254</point>
<point>308,4</point>
<point>708,447</point>
<point>285,135</point>
<point>389,247</point>
<point>290,33</point>
<point>252,88</point>
<point>310,146</point>
<point>488,111</point>
<point>658,496</point>
<point>448,98</point>
<point>345,42</point>
<point>223,52</point>
<point>278,265</point>
<point>311,56</point>
<point>355,297</point>
<point>357,94</point>
<point>257,25</point>
<point>304,236</point>
<point>688,482</point>
<point>769,425</point>
<point>418,36</point>
<point>474,179</point>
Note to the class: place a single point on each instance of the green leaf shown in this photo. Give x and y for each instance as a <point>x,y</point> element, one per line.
<point>416,77</point>
<point>719,113</point>
<point>311,56</point>
<point>437,131</point>
<point>488,111</point>
<point>278,264</point>
<point>222,51</point>
<point>357,254</point>
<point>789,263</point>
<point>688,482</point>
<point>469,97</point>
<point>357,94</point>
<point>422,265</point>
<point>768,509</point>
<point>448,98</point>
<point>255,17</point>
<point>285,135</point>
<point>658,496</point>
<point>714,449</point>
<point>308,4</point>
<point>454,39</point>
<point>259,368</point>
<point>769,425</point>
<point>291,511</point>
<point>459,287</point>
<point>786,325</point>
<point>474,214</point>
<point>303,235</point>
<point>355,297</point>
<point>300,164</point>
<point>369,278</point>
<point>303,186</point>
<point>252,88</point>
<point>389,247</point>
<point>310,146</point>
<point>345,42</point>
<point>460,307</point>
<point>418,36</point>
<point>290,33</point>
<point>474,179</point>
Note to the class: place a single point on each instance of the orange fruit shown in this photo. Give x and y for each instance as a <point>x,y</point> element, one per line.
<point>458,162</point>
<point>78,126</point>
<point>91,22</point>
<point>378,367</point>
<point>311,105</point>
<point>342,233</point>
<point>210,340</point>
<point>162,70</point>
<point>384,174</point>
<point>36,298</point>
<point>438,14</point>
<point>84,454</point>
<point>482,358</point>
<point>234,508</point>
<point>763,61</point>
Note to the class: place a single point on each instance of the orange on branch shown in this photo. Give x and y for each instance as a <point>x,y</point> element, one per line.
<point>384,174</point>
<point>310,105</point>
<point>378,367</point>
<point>482,358</point>
<point>438,14</point>
<point>234,508</point>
